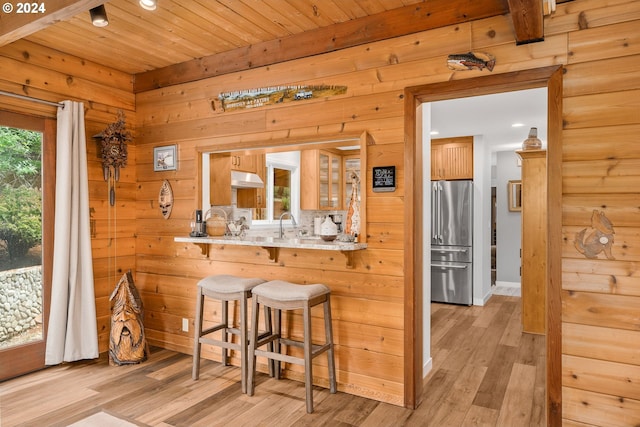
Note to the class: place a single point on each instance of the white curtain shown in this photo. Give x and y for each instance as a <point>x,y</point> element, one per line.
<point>72,333</point>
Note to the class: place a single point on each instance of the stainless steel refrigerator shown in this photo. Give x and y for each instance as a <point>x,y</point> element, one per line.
<point>452,242</point>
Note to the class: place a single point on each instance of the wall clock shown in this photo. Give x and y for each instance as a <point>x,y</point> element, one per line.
<point>113,149</point>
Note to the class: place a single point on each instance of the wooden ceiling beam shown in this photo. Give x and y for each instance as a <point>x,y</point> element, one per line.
<point>528,20</point>
<point>381,26</point>
<point>17,24</point>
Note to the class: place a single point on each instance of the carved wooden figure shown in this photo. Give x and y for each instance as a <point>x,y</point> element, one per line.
<point>127,342</point>
<point>600,239</point>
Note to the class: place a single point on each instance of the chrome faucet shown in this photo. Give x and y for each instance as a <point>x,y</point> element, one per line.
<point>293,220</point>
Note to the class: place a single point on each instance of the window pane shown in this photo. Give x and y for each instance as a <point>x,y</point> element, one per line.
<point>20,236</point>
<point>281,191</point>
<point>335,182</point>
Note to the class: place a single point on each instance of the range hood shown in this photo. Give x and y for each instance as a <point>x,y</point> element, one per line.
<point>245,180</point>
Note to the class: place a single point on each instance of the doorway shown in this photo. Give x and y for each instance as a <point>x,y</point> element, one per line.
<point>27,147</point>
<point>550,77</point>
<point>497,123</point>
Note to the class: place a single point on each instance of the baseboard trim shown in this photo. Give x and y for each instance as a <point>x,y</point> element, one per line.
<point>508,284</point>
<point>482,301</point>
<point>427,367</point>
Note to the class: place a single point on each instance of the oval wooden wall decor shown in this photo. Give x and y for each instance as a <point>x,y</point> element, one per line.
<point>599,240</point>
<point>165,199</point>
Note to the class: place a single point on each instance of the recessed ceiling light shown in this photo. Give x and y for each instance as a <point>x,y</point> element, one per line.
<point>517,125</point>
<point>148,4</point>
<point>434,132</point>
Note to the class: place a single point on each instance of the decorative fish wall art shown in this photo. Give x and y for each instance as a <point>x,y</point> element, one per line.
<point>470,61</point>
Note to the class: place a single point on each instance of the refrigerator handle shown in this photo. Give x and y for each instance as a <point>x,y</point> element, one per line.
<point>439,225</point>
<point>451,266</point>
<point>434,210</point>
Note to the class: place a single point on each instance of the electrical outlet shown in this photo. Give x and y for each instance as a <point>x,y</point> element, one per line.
<point>185,324</point>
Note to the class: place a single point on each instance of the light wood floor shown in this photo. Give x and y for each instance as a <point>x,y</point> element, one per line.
<point>485,373</point>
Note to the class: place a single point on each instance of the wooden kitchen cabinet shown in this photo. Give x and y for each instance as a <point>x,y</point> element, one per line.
<point>254,197</point>
<point>220,179</point>
<point>220,191</point>
<point>239,162</point>
<point>245,163</point>
<point>261,171</point>
<point>321,180</point>
<point>452,158</point>
<point>534,240</point>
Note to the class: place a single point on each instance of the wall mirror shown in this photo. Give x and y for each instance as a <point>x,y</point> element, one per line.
<point>514,192</point>
<point>304,178</point>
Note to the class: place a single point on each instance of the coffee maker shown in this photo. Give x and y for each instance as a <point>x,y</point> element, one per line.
<point>199,226</point>
<point>337,219</point>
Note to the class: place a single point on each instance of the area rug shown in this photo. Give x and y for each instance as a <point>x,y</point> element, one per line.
<point>102,419</point>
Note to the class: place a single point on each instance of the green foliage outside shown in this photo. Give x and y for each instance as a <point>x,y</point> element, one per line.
<point>20,190</point>
<point>20,159</point>
<point>283,195</point>
<point>20,219</point>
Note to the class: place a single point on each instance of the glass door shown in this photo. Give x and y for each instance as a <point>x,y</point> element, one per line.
<point>26,144</point>
<point>335,181</point>
<point>324,176</point>
<point>329,180</point>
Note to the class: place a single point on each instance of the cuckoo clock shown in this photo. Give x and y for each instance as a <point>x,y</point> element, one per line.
<point>113,148</point>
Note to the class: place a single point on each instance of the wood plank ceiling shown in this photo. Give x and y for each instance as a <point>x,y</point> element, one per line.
<point>184,40</point>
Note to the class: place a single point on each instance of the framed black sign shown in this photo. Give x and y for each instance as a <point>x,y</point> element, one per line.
<point>384,178</point>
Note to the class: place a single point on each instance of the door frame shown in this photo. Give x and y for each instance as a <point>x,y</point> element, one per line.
<point>30,357</point>
<point>551,78</point>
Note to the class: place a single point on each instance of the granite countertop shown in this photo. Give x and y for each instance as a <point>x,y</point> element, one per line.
<point>274,242</point>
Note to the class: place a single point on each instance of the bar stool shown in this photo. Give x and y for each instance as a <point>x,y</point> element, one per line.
<point>224,288</point>
<point>280,295</point>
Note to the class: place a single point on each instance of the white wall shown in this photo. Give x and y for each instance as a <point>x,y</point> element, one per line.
<point>481,221</point>
<point>423,118</point>
<point>508,238</point>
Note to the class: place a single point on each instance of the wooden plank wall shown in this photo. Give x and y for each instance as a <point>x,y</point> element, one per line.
<point>601,297</point>
<point>367,301</point>
<point>597,42</point>
<point>40,72</point>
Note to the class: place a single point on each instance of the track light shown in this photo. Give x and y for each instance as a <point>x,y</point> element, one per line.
<point>99,16</point>
<point>148,4</point>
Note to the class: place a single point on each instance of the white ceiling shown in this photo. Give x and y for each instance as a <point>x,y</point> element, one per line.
<point>492,116</point>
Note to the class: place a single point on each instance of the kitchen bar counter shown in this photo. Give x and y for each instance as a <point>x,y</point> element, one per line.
<point>273,244</point>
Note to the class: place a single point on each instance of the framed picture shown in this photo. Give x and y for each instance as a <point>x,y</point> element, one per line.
<point>384,179</point>
<point>515,195</point>
<point>165,158</point>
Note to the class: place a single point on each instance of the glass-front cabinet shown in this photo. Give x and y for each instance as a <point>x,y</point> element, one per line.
<point>336,175</point>
<point>321,180</point>
<point>329,180</point>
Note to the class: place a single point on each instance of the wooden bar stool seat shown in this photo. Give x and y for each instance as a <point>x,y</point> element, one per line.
<point>280,295</point>
<point>224,288</point>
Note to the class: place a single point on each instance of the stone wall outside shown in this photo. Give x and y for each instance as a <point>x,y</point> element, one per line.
<point>20,300</point>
